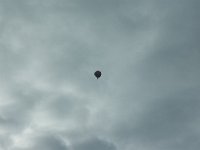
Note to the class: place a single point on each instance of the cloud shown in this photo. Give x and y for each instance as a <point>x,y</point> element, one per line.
<point>45,142</point>
<point>147,97</point>
<point>94,143</point>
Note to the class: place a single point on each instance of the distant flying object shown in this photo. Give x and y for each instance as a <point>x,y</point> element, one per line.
<point>97,74</point>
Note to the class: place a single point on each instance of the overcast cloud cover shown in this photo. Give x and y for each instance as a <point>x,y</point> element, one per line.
<point>148,97</point>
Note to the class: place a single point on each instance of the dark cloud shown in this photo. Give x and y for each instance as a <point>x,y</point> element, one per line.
<point>49,143</point>
<point>94,143</point>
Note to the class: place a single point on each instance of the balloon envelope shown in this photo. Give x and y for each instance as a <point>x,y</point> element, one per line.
<point>97,74</point>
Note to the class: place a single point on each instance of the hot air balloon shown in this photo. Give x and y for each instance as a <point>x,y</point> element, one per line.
<point>97,74</point>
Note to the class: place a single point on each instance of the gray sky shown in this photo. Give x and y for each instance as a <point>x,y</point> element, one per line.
<point>148,97</point>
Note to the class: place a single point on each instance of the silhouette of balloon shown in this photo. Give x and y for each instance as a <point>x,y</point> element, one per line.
<point>97,74</point>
